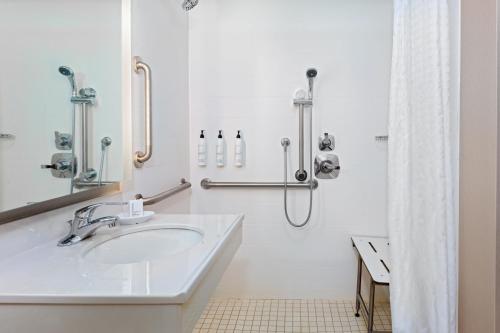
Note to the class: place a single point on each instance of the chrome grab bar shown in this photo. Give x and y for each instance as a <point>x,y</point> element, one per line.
<point>206,184</point>
<point>79,184</point>
<point>141,157</point>
<point>184,185</point>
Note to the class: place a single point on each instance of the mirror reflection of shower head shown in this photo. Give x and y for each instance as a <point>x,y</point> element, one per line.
<point>68,72</point>
<point>106,142</point>
<point>311,74</point>
<point>189,4</point>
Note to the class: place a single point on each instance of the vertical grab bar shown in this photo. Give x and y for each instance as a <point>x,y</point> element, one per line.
<point>301,140</point>
<point>141,157</point>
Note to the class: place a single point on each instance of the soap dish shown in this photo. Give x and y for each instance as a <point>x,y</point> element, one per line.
<point>125,219</point>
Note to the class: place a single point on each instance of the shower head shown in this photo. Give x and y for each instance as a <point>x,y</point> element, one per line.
<point>311,73</point>
<point>189,4</point>
<point>68,72</point>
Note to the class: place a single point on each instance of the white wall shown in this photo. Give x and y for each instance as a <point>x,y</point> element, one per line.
<point>36,38</point>
<point>160,38</point>
<point>246,60</point>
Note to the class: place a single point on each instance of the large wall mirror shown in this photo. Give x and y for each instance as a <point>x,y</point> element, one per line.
<point>60,103</point>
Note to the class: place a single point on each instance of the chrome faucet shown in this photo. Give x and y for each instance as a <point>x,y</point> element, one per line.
<point>83,226</point>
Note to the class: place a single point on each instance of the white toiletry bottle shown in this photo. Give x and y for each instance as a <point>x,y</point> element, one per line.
<point>219,151</point>
<point>239,151</point>
<point>202,150</point>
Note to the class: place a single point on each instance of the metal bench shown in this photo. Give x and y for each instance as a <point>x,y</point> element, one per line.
<point>373,253</point>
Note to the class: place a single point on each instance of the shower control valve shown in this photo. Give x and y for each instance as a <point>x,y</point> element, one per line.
<point>62,165</point>
<point>326,166</point>
<point>63,141</point>
<point>326,142</point>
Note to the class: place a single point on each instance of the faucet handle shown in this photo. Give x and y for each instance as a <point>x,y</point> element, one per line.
<point>88,211</point>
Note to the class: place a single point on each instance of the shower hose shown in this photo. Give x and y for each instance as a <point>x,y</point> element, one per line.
<point>311,183</point>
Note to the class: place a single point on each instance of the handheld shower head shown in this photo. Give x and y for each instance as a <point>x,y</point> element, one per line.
<point>189,4</point>
<point>68,72</point>
<point>311,73</point>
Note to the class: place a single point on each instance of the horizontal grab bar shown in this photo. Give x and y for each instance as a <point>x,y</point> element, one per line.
<point>184,185</point>
<point>7,136</point>
<point>81,184</point>
<point>206,183</point>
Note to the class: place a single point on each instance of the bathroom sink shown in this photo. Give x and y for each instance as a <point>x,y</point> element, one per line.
<point>144,244</point>
<point>150,277</point>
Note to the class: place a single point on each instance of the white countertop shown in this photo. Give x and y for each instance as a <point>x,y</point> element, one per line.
<point>51,274</point>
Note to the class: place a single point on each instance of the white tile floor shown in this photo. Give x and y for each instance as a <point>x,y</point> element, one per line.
<point>286,315</point>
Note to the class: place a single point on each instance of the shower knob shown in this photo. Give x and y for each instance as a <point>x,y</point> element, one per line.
<point>326,166</point>
<point>63,141</point>
<point>326,142</point>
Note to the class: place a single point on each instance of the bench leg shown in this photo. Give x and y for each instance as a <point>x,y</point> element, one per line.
<point>371,308</point>
<point>358,286</point>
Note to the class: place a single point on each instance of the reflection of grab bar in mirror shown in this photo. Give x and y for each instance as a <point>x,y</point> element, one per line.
<point>81,184</point>
<point>141,157</point>
<point>381,138</point>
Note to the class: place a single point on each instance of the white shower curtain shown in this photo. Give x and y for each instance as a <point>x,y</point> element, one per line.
<point>421,214</point>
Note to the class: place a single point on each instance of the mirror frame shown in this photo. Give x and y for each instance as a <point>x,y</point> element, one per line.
<point>18,213</point>
<point>59,202</point>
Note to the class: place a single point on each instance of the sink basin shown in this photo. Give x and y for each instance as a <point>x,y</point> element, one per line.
<point>143,245</point>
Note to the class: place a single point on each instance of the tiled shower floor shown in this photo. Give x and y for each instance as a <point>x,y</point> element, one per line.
<point>286,315</point>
